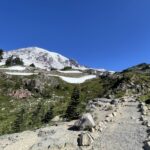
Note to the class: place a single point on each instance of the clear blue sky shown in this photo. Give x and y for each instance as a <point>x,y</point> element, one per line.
<point>111,34</point>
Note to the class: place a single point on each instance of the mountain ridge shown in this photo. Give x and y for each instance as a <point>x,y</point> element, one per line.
<point>42,58</point>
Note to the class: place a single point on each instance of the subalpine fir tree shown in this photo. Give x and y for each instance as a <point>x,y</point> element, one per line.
<point>72,110</point>
<point>1,54</point>
<point>17,124</point>
<point>12,61</point>
<point>48,116</point>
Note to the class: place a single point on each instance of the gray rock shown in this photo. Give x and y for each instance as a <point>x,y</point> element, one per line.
<point>114,102</point>
<point>142,118</point>
<point>45,133</point>
<point>56,119</point>
<point>144,110</point>
<point>109,115</point>
<point>85,139</point>
<point>86,122</point>
<point>114,114</point>
<point>108,119</point>
<point>147,145</point>
<point>145,123</point>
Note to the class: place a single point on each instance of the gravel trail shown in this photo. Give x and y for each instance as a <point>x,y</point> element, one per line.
<point>125,132</point>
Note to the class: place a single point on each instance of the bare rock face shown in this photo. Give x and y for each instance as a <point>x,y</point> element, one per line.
<point>86,122</point>
<point>34,84</point>
<point>21,93</point>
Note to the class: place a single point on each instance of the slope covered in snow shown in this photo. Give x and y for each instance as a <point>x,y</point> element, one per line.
<point>41,58</point>
<point>21,73</point>
<point>16,68</point>
<point>75,80</point>
<point>70,71</point>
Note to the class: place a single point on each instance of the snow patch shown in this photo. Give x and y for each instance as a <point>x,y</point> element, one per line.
<point>75,80</point>
<point>21,73</point>
<point>17,68</point>
<point>2,63</point>
<point>70,71</point>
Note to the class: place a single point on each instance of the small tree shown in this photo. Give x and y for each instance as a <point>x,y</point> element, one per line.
<point>72,110</point>
<point>53,69</point>
<point>11,61</point>
<point>16,127</point>
<point>1,54</point>
<point>32,65</point>
<point>48,116</point>
<point>17,61</point>
<point>35,115</point>
<point>66,68</point>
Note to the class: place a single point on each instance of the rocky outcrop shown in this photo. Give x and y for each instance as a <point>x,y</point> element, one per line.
<point>33,85</point>
<point>21,93</point>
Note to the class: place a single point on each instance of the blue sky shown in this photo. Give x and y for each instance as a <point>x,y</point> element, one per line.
<point>111,34</point>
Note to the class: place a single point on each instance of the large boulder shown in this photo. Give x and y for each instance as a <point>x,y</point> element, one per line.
<point>147,145</point>
<point>86,122</point>
<point>85,139</point>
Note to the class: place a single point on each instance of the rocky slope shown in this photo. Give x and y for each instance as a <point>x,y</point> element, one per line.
<point>31,101</point>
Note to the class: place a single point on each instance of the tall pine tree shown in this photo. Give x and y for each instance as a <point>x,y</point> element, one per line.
<point>72,110</point>
<point>48,116</point>
<point>17,124</point>
<point>1,54</point>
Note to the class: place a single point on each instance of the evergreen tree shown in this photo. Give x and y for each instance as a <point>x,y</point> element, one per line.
<point>17,61</point>
<point>37,115</point>
<point>48,116</point>
<point>32,65</point>
<point>16,127</point>
<point>72,110</point>
<point>11,61</point>
<point>1,54</point>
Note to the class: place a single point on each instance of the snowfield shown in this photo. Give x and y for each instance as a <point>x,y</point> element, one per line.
<point>2,63</point>
<point>75,80</point>
<point>70,71</point>
<point>21,73</point>
<point>16,68</point>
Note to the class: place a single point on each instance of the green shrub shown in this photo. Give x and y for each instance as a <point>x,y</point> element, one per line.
<point>67,68</point>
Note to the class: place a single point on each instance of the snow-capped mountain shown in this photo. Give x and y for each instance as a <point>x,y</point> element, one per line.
<point>41,58</point>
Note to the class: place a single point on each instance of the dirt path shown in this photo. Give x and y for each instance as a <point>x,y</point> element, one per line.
<point>125,132</point>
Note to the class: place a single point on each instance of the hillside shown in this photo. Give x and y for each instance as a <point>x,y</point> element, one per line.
<point>36,90</point>
<point>32,97</point>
